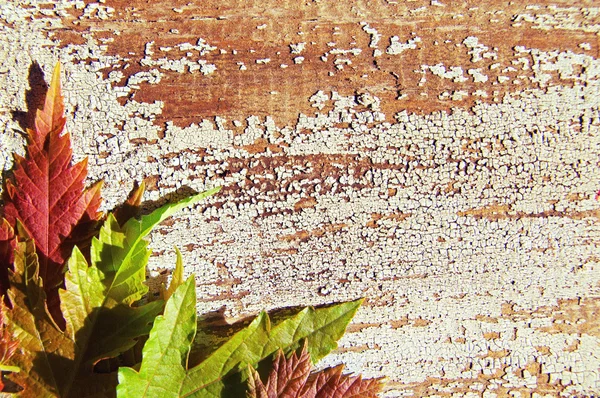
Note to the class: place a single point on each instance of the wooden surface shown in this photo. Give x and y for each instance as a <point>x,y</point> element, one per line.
<point>438,158</point>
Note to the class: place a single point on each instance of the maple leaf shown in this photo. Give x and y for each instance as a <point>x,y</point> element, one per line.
<point>287,378</point>
<point>165,353</point>
<point>46,192</point>
<point>122,253</point>
<point>331,383</point>
<point>291,378</point>
<point>165,372</point>
<point>7,247</point>
<point>31,324</point>
<point>8,346</point>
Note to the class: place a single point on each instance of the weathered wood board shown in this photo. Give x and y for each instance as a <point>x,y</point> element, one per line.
<point>439,158</point>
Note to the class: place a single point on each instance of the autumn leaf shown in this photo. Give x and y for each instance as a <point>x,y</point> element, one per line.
<point>52,360</point>
<point>331,383</point>
<point>89,224</point>
<point>7,247</point>
<point>31,324</point>
<point>164,369</point>
<point>46,192</point>
<point>8,346</point>
<point>287,379</point>
<point>131,207</point>
<point>291,378</point>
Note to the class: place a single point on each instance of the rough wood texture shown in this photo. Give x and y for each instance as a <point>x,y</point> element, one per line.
<point>439,158</point>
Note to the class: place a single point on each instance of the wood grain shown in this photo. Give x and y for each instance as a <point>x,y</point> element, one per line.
<point>438,158</point>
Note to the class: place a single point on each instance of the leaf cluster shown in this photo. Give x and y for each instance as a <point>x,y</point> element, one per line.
<point>76,312</point>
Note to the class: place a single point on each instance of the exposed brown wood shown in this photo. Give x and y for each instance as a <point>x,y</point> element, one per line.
<point>438,158</point>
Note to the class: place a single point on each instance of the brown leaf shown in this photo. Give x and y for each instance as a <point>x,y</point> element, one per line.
<point>331,383</point>
<point>291,378</point>
<point>285,380</point>
<point>56,362</point>
<point>131,207</point>
<point>44,348</point>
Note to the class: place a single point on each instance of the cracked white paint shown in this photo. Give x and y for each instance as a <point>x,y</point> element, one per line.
<point>151,77</point>
<point>478,76</point>
<point>375,35</point>
<point>319,99</point>
<point>386,210</point>
<point>97,11</point>
<point>396,47</point>
<point>297,48</point>
<point>561,18</point>
<point>477,50</point>
<point>181,64</point>
<point>454,73</point>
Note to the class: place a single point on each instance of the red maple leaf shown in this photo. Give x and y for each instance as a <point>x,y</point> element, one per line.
<point>291,378</point>
<point>46,192</point>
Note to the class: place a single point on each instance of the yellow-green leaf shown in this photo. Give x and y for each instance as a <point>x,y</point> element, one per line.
<point>122,252</point>
<point>164,363</point>
<point>176,278</point>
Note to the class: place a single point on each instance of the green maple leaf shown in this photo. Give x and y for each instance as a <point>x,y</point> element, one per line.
<point>164,369</point>
<point>96,305</point>
<point>122,252</point>
<point>165,353</point>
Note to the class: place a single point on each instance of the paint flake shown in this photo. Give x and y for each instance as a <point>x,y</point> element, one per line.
<point>396,47</point>
<point>455,73</point>
<point>297,48</point>
<point>478,76</point>
<point>375,35</point>
<point>477,50</point>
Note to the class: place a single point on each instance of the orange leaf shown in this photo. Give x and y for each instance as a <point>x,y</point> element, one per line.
<point>131,207</point>
<point>46,192</point>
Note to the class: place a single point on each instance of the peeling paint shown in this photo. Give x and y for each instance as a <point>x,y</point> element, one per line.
<point>472,231</point>
<point>396,47</point>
